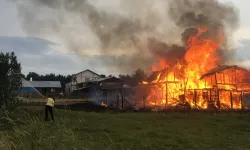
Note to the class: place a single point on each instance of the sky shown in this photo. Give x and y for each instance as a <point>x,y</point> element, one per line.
<point>39,55</point>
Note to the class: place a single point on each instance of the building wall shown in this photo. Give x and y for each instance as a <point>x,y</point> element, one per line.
<point>42,91</point>
<point>69,88</point>
<point>86,76</point>
<point>78,80</point>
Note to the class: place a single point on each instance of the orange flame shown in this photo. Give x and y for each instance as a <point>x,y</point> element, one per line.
<point>104,105</point>
<point>176,85</point>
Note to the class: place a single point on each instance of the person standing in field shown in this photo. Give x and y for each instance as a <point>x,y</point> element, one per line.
<point>49,108</point>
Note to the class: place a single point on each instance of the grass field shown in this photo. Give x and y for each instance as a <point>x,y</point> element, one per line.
<point>25,129</point>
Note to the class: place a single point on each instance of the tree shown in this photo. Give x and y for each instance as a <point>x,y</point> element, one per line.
<point>10,79</point>
<point>49,77</point>
<point>138,76</point>
<point>33,75</point>
<point>127,79</point>
<point>135,78</point>
<point>102,76</point>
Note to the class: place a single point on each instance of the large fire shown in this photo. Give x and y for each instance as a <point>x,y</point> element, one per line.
<point>181,84</point>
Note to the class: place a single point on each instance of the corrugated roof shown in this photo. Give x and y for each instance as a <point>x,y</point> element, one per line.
<point>42,84</point>
<point>219,69</point>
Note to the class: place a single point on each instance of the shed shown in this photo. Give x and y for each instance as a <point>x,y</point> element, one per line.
<point>45,88</point>
<point>104,90</point>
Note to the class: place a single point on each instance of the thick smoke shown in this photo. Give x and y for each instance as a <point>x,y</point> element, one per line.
<point>129,35</point>
<point>189,14</point>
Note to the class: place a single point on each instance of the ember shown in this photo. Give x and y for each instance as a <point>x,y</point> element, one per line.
<point>196,81</point>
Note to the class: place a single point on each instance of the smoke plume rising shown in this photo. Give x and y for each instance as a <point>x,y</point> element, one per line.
<point>127,34</point>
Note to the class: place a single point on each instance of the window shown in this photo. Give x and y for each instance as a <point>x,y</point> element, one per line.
<point>52,90</point>
<point>87,79</point>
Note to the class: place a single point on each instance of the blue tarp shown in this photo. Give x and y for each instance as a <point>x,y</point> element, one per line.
<point>27,90</point>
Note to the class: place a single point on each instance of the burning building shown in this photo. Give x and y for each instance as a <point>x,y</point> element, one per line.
<point>224,87</point>
<point>196,80</point>
<point>189,38</point>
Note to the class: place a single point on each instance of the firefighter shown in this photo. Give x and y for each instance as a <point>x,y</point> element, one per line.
<point>49,108</point>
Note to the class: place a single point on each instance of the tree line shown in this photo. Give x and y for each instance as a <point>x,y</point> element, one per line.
<point>134,78</point>
<point>49,77</point>
<point>129,79</point>
<point>11,78</point>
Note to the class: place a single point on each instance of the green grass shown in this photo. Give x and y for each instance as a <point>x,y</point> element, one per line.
<point>127,130</point>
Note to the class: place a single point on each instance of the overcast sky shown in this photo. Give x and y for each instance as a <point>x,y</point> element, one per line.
<point>38,55</point>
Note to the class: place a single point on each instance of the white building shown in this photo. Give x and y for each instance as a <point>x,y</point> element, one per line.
<point>79,79</point>
<point>85,76</point>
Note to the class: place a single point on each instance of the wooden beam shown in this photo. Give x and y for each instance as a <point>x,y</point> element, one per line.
<point>107,98</point>
<point>122,101</point>
<point>223,77</point>
<point>144,102</point>
<point>155,100</point>
<point>195,100</point>
<point>231,99</point>
<point>210,97</point>
<point>166,103</point>
<point>218,92</point>
<point>241,99</point>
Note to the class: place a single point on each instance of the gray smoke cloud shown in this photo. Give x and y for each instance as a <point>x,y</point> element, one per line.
<point>132,34</point>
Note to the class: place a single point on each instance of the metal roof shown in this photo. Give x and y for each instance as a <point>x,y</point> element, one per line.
<point>42,84</point>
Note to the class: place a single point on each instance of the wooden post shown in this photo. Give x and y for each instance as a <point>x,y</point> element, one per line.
<point>166,103</point>
<point>185,88</point>
<point>195,101</point>
<point>210,97</point>
<point>155,100</point>
<point>218,92</point>
<point>241,99</point>
<point>236,87</point>
<point>117,102</point>
<point>223,75</point>
<point>144,101</point>
<point>122,101</point>
<point>235,80</point>
<point>107,97</point>
<point>166,98</point>
<point>219,105</point>
<point>231,99</point>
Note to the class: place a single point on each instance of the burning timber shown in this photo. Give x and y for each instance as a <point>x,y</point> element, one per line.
<point>222,88</point>
<point>196,81</point>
